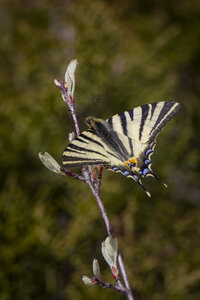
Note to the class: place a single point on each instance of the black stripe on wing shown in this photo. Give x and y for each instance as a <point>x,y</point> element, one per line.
<point>167,112</point>
<point>123,122</point>
<point>145,111</point>
<point>81,149</point>
<point>153,107</point>
<point>166,107</point>
<point>80,140</point>
<point>130,141</point>
<point>131,114</point>
<point>71,161</point>
<point>77,156</point>
<point>113,155</point>
<point>110,122</point>
<point>90,139</point>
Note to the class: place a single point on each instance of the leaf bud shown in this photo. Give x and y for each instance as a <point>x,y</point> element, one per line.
<point>96,268</point>
<point>50,163</point>
<point>110,251</point>
<point>88,281</point>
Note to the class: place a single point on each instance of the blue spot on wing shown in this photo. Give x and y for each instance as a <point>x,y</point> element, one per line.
<point>126,173</point>
<point>148,152</point>
<point>146,171</point>
<point>115,169</point>
<point>134,176</point>
<point>147,162</point>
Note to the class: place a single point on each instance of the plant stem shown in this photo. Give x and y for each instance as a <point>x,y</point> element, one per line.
<point>100,204</point>
<point>125,277</point>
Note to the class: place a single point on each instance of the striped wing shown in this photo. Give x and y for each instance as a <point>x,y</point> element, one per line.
<point>87,149</point>
<point>141,125</point>
<point>144,122</point>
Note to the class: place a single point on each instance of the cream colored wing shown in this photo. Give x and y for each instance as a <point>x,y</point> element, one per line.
<point>145,122</point>
<point>86,149</point>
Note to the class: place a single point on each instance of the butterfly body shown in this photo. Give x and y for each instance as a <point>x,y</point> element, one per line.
<point>123,143</point>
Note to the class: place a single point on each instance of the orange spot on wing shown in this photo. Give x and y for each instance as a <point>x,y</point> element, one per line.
<point>127,163</point>
<point>133,160</point>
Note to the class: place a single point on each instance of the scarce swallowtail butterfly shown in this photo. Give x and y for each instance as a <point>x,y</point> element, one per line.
<point>123,143</point>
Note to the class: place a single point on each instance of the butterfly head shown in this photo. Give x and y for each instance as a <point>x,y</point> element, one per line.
<point>90,122</point>
<point>98,125</point>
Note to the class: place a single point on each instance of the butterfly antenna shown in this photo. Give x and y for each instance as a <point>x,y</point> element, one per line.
<point>76,111</point>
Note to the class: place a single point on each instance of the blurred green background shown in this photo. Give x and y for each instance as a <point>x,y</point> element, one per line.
<point>130,53</point>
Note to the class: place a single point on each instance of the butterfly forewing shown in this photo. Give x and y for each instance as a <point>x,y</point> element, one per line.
<point>87,149</point>
<point>145,122</point>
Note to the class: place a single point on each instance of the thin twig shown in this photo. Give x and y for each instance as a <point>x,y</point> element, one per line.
<point>70,103</point>
<point>100,204</point>
<point>71,174</point>
<point>124,275</point>
<point>108,285</point>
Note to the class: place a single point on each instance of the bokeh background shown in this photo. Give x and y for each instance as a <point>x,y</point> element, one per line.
<point>130,53</point>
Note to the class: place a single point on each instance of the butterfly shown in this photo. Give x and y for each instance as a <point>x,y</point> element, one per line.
<point>123,143</point>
